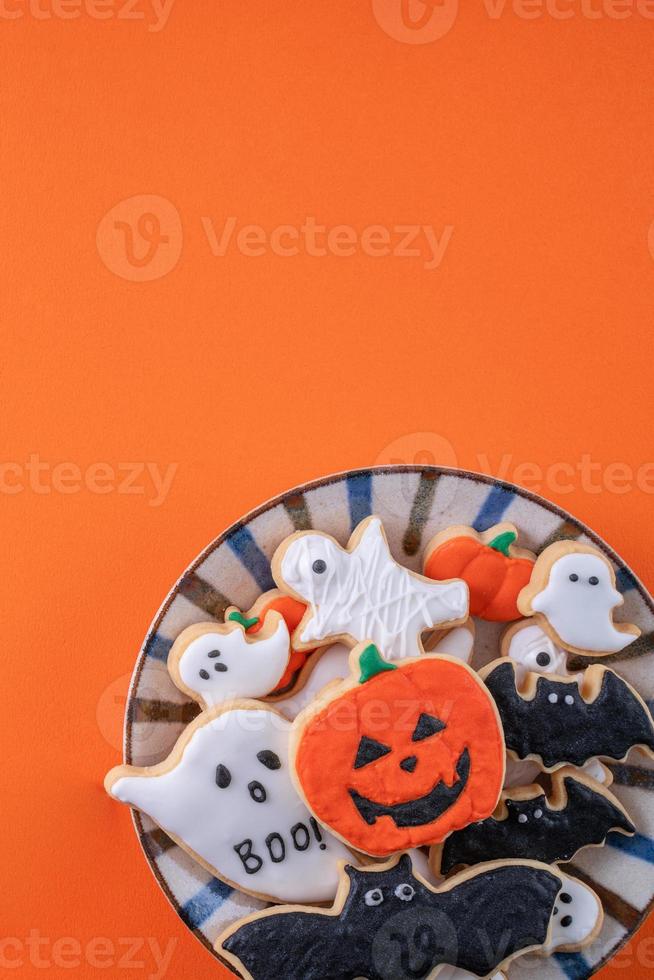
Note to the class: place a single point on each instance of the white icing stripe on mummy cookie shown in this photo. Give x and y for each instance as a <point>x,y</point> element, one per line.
<point>572,592</point>
<point>218,663</point>
<point>532,650</point>
<point>226,795</point>
<point>362,594</point>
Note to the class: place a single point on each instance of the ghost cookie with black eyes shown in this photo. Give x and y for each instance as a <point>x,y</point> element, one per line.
<point>214,663</point>
<point>361,593</point>
<point>400,754</point>
<point>388,922</point>
<point>572,595</point>
<point>226,796</point>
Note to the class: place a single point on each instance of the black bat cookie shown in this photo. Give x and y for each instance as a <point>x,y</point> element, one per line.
<point>556,724</point>
<point>392,926</point>
<point>580,812</point>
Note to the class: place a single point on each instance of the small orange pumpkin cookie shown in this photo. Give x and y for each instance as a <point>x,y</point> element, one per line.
<point>413,750</point>
<point>494,568</point>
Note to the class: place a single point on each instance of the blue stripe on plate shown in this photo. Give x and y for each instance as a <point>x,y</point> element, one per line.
<point>638,846</point>
<point>493,508</point>
<point>359,495</point>
<point>158,647</point>
<point>574,965</point>
<point>250,554</point>
<point>204,903</point>
<point>624,580</point>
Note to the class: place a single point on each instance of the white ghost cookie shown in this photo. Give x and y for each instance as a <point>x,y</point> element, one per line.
<point>225,795</point>
<point>572,595</point>
<point>361,593</point>
<point>214,663</point>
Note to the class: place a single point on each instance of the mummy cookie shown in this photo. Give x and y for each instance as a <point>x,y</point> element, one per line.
<point>332,664</point>
<point>226,796</point>
<point>413,751</point>
<point>253,620</point>
<point>491,564</point>
<point>361,593</point>
<point>529,824</point>
<point>556,720</point>
<point>572,595</point>
<point>387,923</point>
<point>215,663</point>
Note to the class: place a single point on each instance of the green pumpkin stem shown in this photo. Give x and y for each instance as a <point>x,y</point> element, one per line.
<point>238,617</point>
<point>372,663</point>
<point>502,542</point>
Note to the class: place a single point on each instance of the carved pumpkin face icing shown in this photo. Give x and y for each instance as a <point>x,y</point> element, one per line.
<point>400,755</point>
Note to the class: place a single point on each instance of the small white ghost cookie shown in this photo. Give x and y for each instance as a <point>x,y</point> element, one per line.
<point>572,595</point>
<point>217,662</point>
<point>360,593</point>
<point>225,794</point>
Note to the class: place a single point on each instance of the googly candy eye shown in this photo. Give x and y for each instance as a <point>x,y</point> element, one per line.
<point>405,892</point>
<point>374,897</point>
<point>319,566</point>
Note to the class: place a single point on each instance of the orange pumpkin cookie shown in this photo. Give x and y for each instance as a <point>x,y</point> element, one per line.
<point>413,750</point>
<point>494,568</point>
<point>292,611</point>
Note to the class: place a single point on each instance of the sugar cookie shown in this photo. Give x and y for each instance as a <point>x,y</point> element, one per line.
<point>413,751</point>
<point>387,922</point>
<point>572,595</point>
<point>226,796</point>
<point>361,593</point>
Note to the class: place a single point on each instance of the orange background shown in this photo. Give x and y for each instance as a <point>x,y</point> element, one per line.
<point>530,342</point>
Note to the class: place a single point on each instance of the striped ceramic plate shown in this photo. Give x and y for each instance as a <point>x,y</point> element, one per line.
<point>413,502</point>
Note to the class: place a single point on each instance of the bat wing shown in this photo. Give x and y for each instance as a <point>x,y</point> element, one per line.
<point>499,912</point>
<point>558,725</point>
<point>292,946</point>
<point>533,830</point>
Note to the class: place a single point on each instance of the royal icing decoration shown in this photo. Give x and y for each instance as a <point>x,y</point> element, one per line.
<point>388,922</point>
<point>225,794</point>
<point>529,824</point>
<point>572,594</point>
<point>215,663</point>
<point>557,720</point>
<point>532,650</point>
<point>491,564</point>
<point>361,593</point>
<point>413,751</point>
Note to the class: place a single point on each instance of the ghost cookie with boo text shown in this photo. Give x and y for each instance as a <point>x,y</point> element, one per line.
<point>387,921</point>
<point>572,594</point>
<point>225,795</point>
<point>399,754</point>
<point>361,593</point>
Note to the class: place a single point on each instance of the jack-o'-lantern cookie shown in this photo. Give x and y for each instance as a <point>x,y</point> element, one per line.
<point>572,595</point>
<point>557,720</point>
<point>360,592</point>
<point>387,921</point>
<point>399,754</point>
<point>529,823</point>
<point>225,794</point>
<point>490,562</point>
